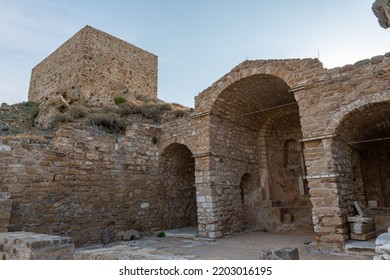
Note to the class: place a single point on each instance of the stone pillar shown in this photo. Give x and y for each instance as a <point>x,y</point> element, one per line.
<point>205,198</point>
<point>325,188</point>
<point>5,211</point>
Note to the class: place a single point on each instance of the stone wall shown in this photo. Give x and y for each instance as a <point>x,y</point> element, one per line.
<point>94,67</point>
<point>83,183</point>
<point>5,211</point>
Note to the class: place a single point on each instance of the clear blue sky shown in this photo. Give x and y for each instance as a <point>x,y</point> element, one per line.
<point>197,41</point>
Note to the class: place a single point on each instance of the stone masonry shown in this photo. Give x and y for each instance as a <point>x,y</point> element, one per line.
<point>274,145</point>
<point>33,246</point>
<point>95,67</point>
<point>5,211</point>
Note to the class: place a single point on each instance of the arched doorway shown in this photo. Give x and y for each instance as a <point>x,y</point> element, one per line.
<point>363,155</point>
<point>179,193</point>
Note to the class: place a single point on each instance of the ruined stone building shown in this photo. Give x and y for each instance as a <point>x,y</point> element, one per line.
<point>273,145</point>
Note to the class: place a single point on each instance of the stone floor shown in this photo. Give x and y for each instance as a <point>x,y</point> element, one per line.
<point>179,244</point>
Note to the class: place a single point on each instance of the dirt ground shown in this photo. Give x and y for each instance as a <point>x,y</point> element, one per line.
<point>245,246</point>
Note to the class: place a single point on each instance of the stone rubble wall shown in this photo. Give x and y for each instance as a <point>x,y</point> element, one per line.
<point>94,67</point>
<point>84,183</point>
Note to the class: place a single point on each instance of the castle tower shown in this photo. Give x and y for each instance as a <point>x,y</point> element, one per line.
<point>94,67</point>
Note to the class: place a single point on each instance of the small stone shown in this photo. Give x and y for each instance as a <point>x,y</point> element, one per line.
<point>280,254</point>
<point>144,205</point>
<point>131,235</point>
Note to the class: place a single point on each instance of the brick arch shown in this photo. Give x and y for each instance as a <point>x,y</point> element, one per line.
<point>175,141</point>
<point>368,100</point>
<point>293,72</point>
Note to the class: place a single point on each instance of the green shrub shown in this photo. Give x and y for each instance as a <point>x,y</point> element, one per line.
<point>120,100</point>
<point>161,234</point>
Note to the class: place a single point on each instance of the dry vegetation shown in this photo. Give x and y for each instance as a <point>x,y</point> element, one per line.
<point>20,119</point>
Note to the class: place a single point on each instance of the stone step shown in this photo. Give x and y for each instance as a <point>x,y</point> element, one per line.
<point>364,248</point>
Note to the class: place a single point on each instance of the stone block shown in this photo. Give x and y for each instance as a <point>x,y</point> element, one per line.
<point>362,227</point>
<point>358,219</point>
<point>363,236</point>
<point>35,246</point>
<point>4,195</point>
<point>372,203</point>
<point>287,218</point>
<point>275,214</point>
<point>358,208</point>
<point>130,235</point>
<point>215,234</point>
<point>280,254</point>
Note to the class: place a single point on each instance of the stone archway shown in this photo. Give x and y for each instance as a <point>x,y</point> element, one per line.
<point>178,194</point>
<point>251,121</point>
<point>362,154</point>
<point>236,110</point>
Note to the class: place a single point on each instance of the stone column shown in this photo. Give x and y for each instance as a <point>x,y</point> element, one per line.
<point>325,187</point>
<point>5,211</point>
<point>205,198</point>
